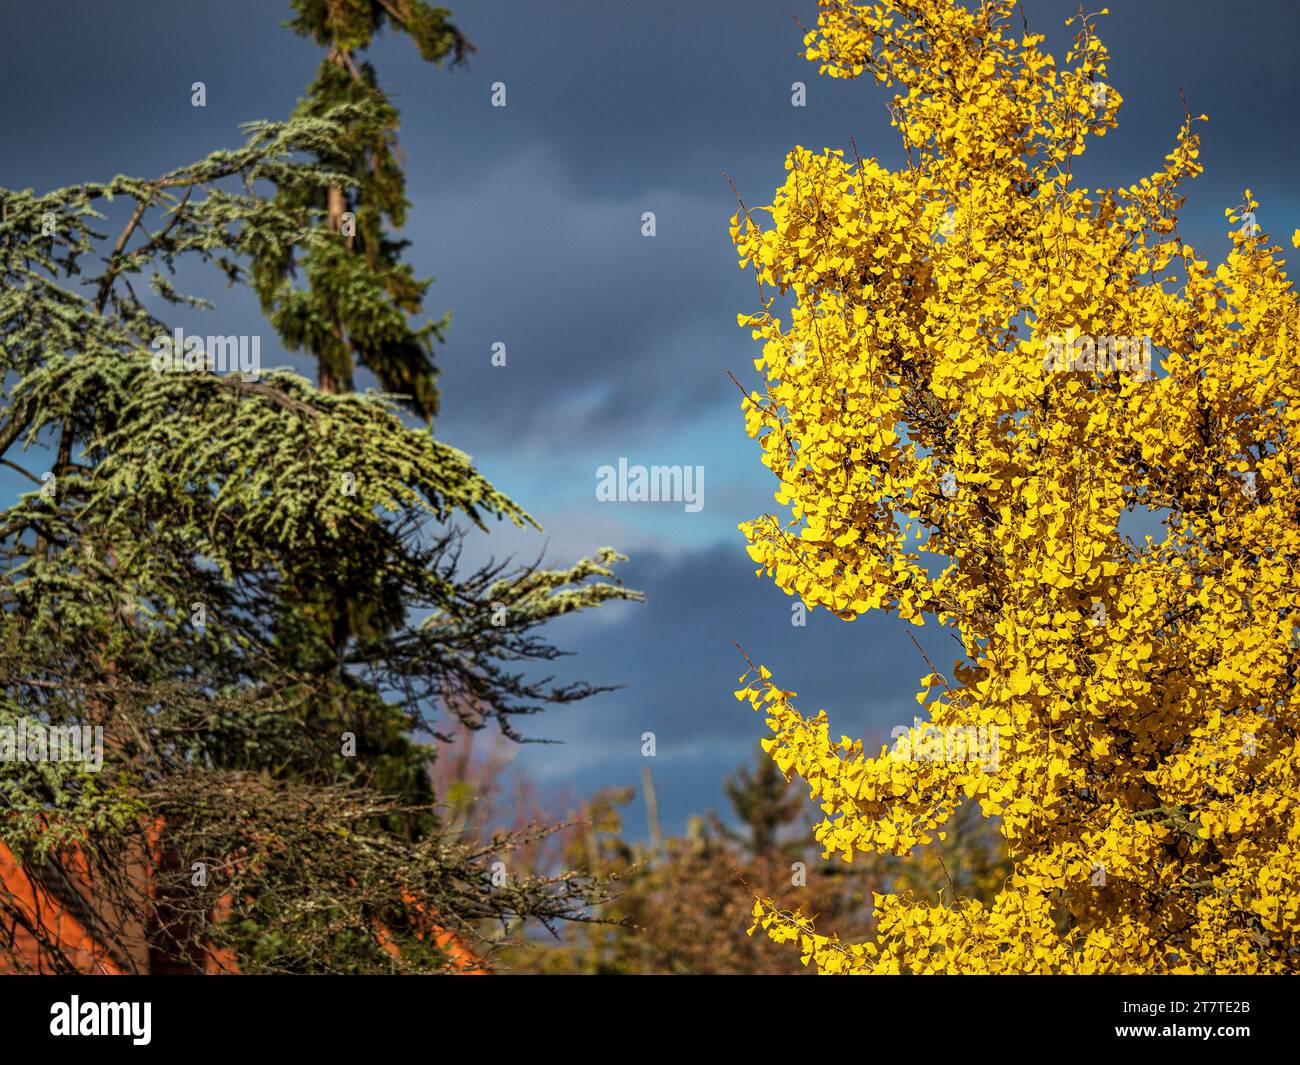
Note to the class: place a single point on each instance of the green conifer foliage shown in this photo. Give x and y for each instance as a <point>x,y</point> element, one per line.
<point>350,300</point>
<point>228,575</point>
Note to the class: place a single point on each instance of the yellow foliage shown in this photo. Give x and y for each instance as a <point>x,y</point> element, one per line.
<point>941,460</point>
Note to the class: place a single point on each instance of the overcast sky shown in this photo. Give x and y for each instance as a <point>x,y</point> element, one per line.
<point>529,217</point>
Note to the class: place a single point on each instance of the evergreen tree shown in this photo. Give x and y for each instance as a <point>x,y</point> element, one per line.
<point>764,801</point>
<point>357,297</point>
<point>253,585</point>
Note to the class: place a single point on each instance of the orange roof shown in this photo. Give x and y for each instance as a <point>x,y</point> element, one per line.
<point>48,937</point>
<point>40,922</point>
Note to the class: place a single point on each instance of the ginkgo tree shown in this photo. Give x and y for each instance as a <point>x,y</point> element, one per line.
<point>1111,538</point>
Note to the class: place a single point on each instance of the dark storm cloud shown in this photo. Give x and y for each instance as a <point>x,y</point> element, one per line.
<point>604,328</point>
<point>676,656</point>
